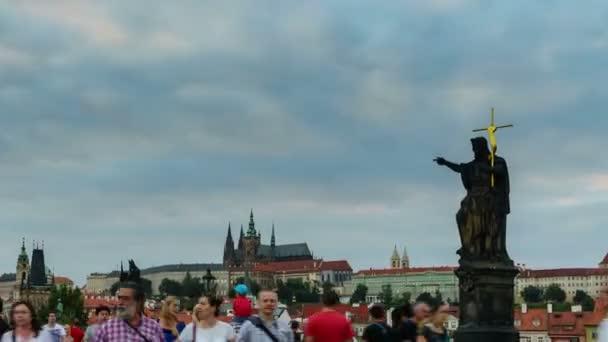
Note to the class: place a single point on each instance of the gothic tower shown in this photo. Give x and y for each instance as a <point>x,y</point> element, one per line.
<point>251,243</point>
<point>395,260</point>
<point>229,254</point>
<point>241,239</point>
<point>405,260</point>
<point>23,268</point>
<point>38,276</point>
<point>273,244</point>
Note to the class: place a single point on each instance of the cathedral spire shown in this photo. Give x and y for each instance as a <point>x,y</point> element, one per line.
<point>241,238</point>
<point>251,231</point>
<point>229,248</point>
<point>272,237</point>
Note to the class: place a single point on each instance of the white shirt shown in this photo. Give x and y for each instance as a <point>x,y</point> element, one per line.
<point>56,331</point>
<point>43,336</point>
<point>602,331</point>
<point>221,332</point>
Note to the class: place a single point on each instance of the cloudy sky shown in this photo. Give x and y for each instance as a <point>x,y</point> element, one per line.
<point>140,129</point>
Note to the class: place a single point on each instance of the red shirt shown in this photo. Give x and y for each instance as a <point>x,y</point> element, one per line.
<point>241,306</point>
<point>329,326</point>
<point>77,334</point>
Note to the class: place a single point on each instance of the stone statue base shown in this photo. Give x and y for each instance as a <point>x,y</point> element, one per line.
<point>486,302</point>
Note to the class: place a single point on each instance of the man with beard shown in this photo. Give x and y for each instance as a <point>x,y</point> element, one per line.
<point>130,323</point>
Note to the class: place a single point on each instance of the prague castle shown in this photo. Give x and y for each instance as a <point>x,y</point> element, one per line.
<point>249,255</point>
<point>251,251</point>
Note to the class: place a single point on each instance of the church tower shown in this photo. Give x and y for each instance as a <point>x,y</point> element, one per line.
<point>405,260</point>
<point>395,260</point>
<point>251,242</point>
<point>229,254</point>
<point>23,268</point>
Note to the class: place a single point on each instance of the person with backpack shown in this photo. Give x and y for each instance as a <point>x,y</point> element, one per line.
<point>378,330</point>
<point>264,327</point>
<point>434,330</point>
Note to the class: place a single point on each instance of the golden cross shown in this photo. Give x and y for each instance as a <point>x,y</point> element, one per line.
<point>491,130</point>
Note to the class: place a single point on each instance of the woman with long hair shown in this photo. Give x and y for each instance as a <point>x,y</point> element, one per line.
<point>168,319</point>
<point>434,330</point>
<point>205,326</point>
<point>25,326</point>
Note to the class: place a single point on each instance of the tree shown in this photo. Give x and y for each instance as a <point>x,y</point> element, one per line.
<point>586,301</point>
<point>327,286</point>
<point>191,287</point>
<point>359,295</point>
<point>170,287</point>
<point>302,291</point>
<point>403,299</point>
<point>554,293</point>
<point>72,302</point>
<point>579,296</point>
<point>532,294</point>
<point>386,295</point>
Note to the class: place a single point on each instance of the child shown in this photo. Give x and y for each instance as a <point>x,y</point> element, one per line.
<point>241,304</point>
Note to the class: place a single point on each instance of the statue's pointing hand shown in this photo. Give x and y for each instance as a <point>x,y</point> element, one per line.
<point>439,161</point>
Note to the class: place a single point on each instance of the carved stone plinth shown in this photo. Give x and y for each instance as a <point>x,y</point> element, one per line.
<point>486,302</point>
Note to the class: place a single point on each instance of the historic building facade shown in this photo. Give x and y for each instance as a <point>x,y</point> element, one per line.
<point>413,280</point>
<point>590,280</point>
<point>31,281</point>
<point>250,251</point>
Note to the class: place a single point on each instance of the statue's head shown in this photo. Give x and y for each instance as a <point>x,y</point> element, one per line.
<point>480,148</point>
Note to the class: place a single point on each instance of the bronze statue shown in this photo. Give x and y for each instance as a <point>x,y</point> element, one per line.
<point>482,218</point>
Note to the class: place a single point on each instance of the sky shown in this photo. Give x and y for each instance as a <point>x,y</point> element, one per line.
<point>140,129</point>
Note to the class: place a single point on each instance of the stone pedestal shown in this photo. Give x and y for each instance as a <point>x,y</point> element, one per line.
<point>486,302</point>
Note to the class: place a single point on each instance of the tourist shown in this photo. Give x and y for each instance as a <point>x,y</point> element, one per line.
<point>241,305</point>
<point>54,328</point>
<point>264,327</point>
<point>130,324</point>
<point>328,325</point>
<point>297,335</point>
<point>403,327</point>
<point>205,326</point>
<point>378,330</point>
<point>434,330</point>
<point>422,311</point>
<point>75,331</point>
<point>68,337</point>
<point>171,326</point>
<point>25,325</point>
<point>102,314</point>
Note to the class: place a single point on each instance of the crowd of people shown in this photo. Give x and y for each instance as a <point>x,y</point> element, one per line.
<point>418,323</point>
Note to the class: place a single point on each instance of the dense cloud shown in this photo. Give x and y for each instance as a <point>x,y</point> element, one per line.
<point>152,124</point>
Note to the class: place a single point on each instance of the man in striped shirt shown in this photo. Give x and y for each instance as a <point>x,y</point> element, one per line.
<point>130,324</point>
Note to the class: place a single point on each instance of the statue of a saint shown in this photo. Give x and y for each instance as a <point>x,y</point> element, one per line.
<point>482,218</point>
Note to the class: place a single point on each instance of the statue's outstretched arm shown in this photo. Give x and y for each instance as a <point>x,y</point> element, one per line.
<point>452,166</point>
